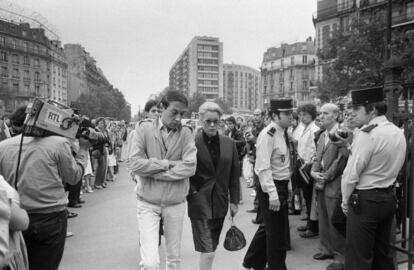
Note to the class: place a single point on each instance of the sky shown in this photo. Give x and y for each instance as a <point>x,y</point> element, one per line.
<point>135,42</point>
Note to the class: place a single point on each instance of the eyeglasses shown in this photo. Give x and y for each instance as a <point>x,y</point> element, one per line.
<point>210,122</point>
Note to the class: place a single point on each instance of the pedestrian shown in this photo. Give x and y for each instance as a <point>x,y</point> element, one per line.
<point>100,155</point>
<point>273,166</point>
<point>307,153</point>
<point>215,183</point>
<point>163,155</point>
<point>251,138</point>
<point>377,155</point>
<point>327,170</point>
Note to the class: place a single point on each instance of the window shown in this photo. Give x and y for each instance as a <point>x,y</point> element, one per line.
<point>305,85</point>
<point>26,88</point>
<point>15,59</point>
<point>25,46</point>
<point>291,74</point>
<point>14,44</point>
<point>24,33</point>
<point>291,86</point>
<point>16,87</point>
<point>36,49</point>
<point>37,90</point>
<point>26,75</point>
<point>4,72</point>
<point>26,60</point>
<point>3,41</point>
<point>36,63</point>
<point>304,59</point>
<point>16,73</point>
<point>37,76</point>
<point>3,56</point>
<point>282,62</point>
<point>292,60</point>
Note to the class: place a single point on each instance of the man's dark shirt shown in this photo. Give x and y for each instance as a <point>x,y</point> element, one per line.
<point>213,146</point>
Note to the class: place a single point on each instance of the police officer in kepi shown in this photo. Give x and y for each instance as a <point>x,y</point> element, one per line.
<point>273,166</point>
<point>377,155</point>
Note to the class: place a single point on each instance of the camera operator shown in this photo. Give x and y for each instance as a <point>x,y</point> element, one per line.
<point>46,164</point>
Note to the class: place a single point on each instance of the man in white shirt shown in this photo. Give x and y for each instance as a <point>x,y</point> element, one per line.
<point>377,155</point>
<point>307,152</point>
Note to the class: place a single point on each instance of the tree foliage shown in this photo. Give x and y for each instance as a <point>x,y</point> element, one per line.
<point>225,105</point>
<point>106,102</point>
<point>194,103</point>
<point>353,58</point>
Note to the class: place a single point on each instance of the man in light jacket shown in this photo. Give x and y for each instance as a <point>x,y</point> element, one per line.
<point>163,155</point>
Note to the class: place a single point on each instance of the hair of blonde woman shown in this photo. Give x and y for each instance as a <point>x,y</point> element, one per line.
<point>209,107</point>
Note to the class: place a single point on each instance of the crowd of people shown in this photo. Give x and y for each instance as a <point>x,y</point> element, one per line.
<point>339,166</point>
<point>337,162</point>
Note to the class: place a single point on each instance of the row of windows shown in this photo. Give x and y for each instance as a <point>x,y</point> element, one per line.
<point>204,68</point>
<point>206,82</point>
<point>16,73</point>
<point>208,89</point>
<point>207,61</point>
<point>4,56</point>
<point>207,48</point>
<point>207,54</point>
<point>16,86</point>
<point>18,44</point>
<point>207,75</point>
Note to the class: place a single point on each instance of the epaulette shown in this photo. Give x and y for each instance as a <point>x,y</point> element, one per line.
<point>271,131</point>
<point>144,121</point>
<point>369,128</point>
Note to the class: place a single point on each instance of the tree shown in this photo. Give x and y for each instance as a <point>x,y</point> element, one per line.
<point>194,103</point>
<point>353,58</point>
<point>225,105</point>
<point>106,101</point>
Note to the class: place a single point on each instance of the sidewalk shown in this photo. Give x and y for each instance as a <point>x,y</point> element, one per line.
<point>106,235</point>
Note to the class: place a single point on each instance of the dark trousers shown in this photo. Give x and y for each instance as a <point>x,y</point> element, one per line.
<point>339,219</point>
<point>74,193</point>
<point>256,183</point>
<point>307,189</point>
<point>45,240</point>
<point>101,168</point>
<point>369,230</point>
<point>271,239</point>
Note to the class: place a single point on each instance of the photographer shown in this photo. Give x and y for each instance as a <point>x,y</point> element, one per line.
<point>46,165</point>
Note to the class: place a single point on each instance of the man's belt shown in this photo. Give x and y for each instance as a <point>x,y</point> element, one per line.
<point>385,190</point>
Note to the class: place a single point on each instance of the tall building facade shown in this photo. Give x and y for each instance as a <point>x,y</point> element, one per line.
<point>241,87</point>
<point>83,75</point>
<point>25,62</point>
<point>199,68</point>
<point>334,15</point>
<point>58,73</point>
<point>289,71</point>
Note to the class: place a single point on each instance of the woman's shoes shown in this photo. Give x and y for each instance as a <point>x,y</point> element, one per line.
<point>98,187</point>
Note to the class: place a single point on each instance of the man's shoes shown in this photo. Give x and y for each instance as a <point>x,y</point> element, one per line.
<point>69,234</point>
<point>81,201</point>
<point>309,234</point>
<point>335,266</point>
<point>72,215</point>
<point>98,186</point>
<point>74,205</point>
<point>254,221</point>
<point>252,211</point>
<point>321,256</point>
<point>302,228</point>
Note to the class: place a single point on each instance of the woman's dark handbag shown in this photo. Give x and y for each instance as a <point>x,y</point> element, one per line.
<point>234,238</point>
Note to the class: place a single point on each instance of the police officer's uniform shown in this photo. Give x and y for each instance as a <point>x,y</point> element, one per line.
<point>273,166</point>
<point>377,155</point>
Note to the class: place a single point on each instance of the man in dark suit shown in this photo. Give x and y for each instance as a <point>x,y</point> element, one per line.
<point>217,176</point>
<point>327,171</point>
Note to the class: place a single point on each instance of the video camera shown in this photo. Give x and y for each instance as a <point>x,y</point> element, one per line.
<point>45,118</point>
